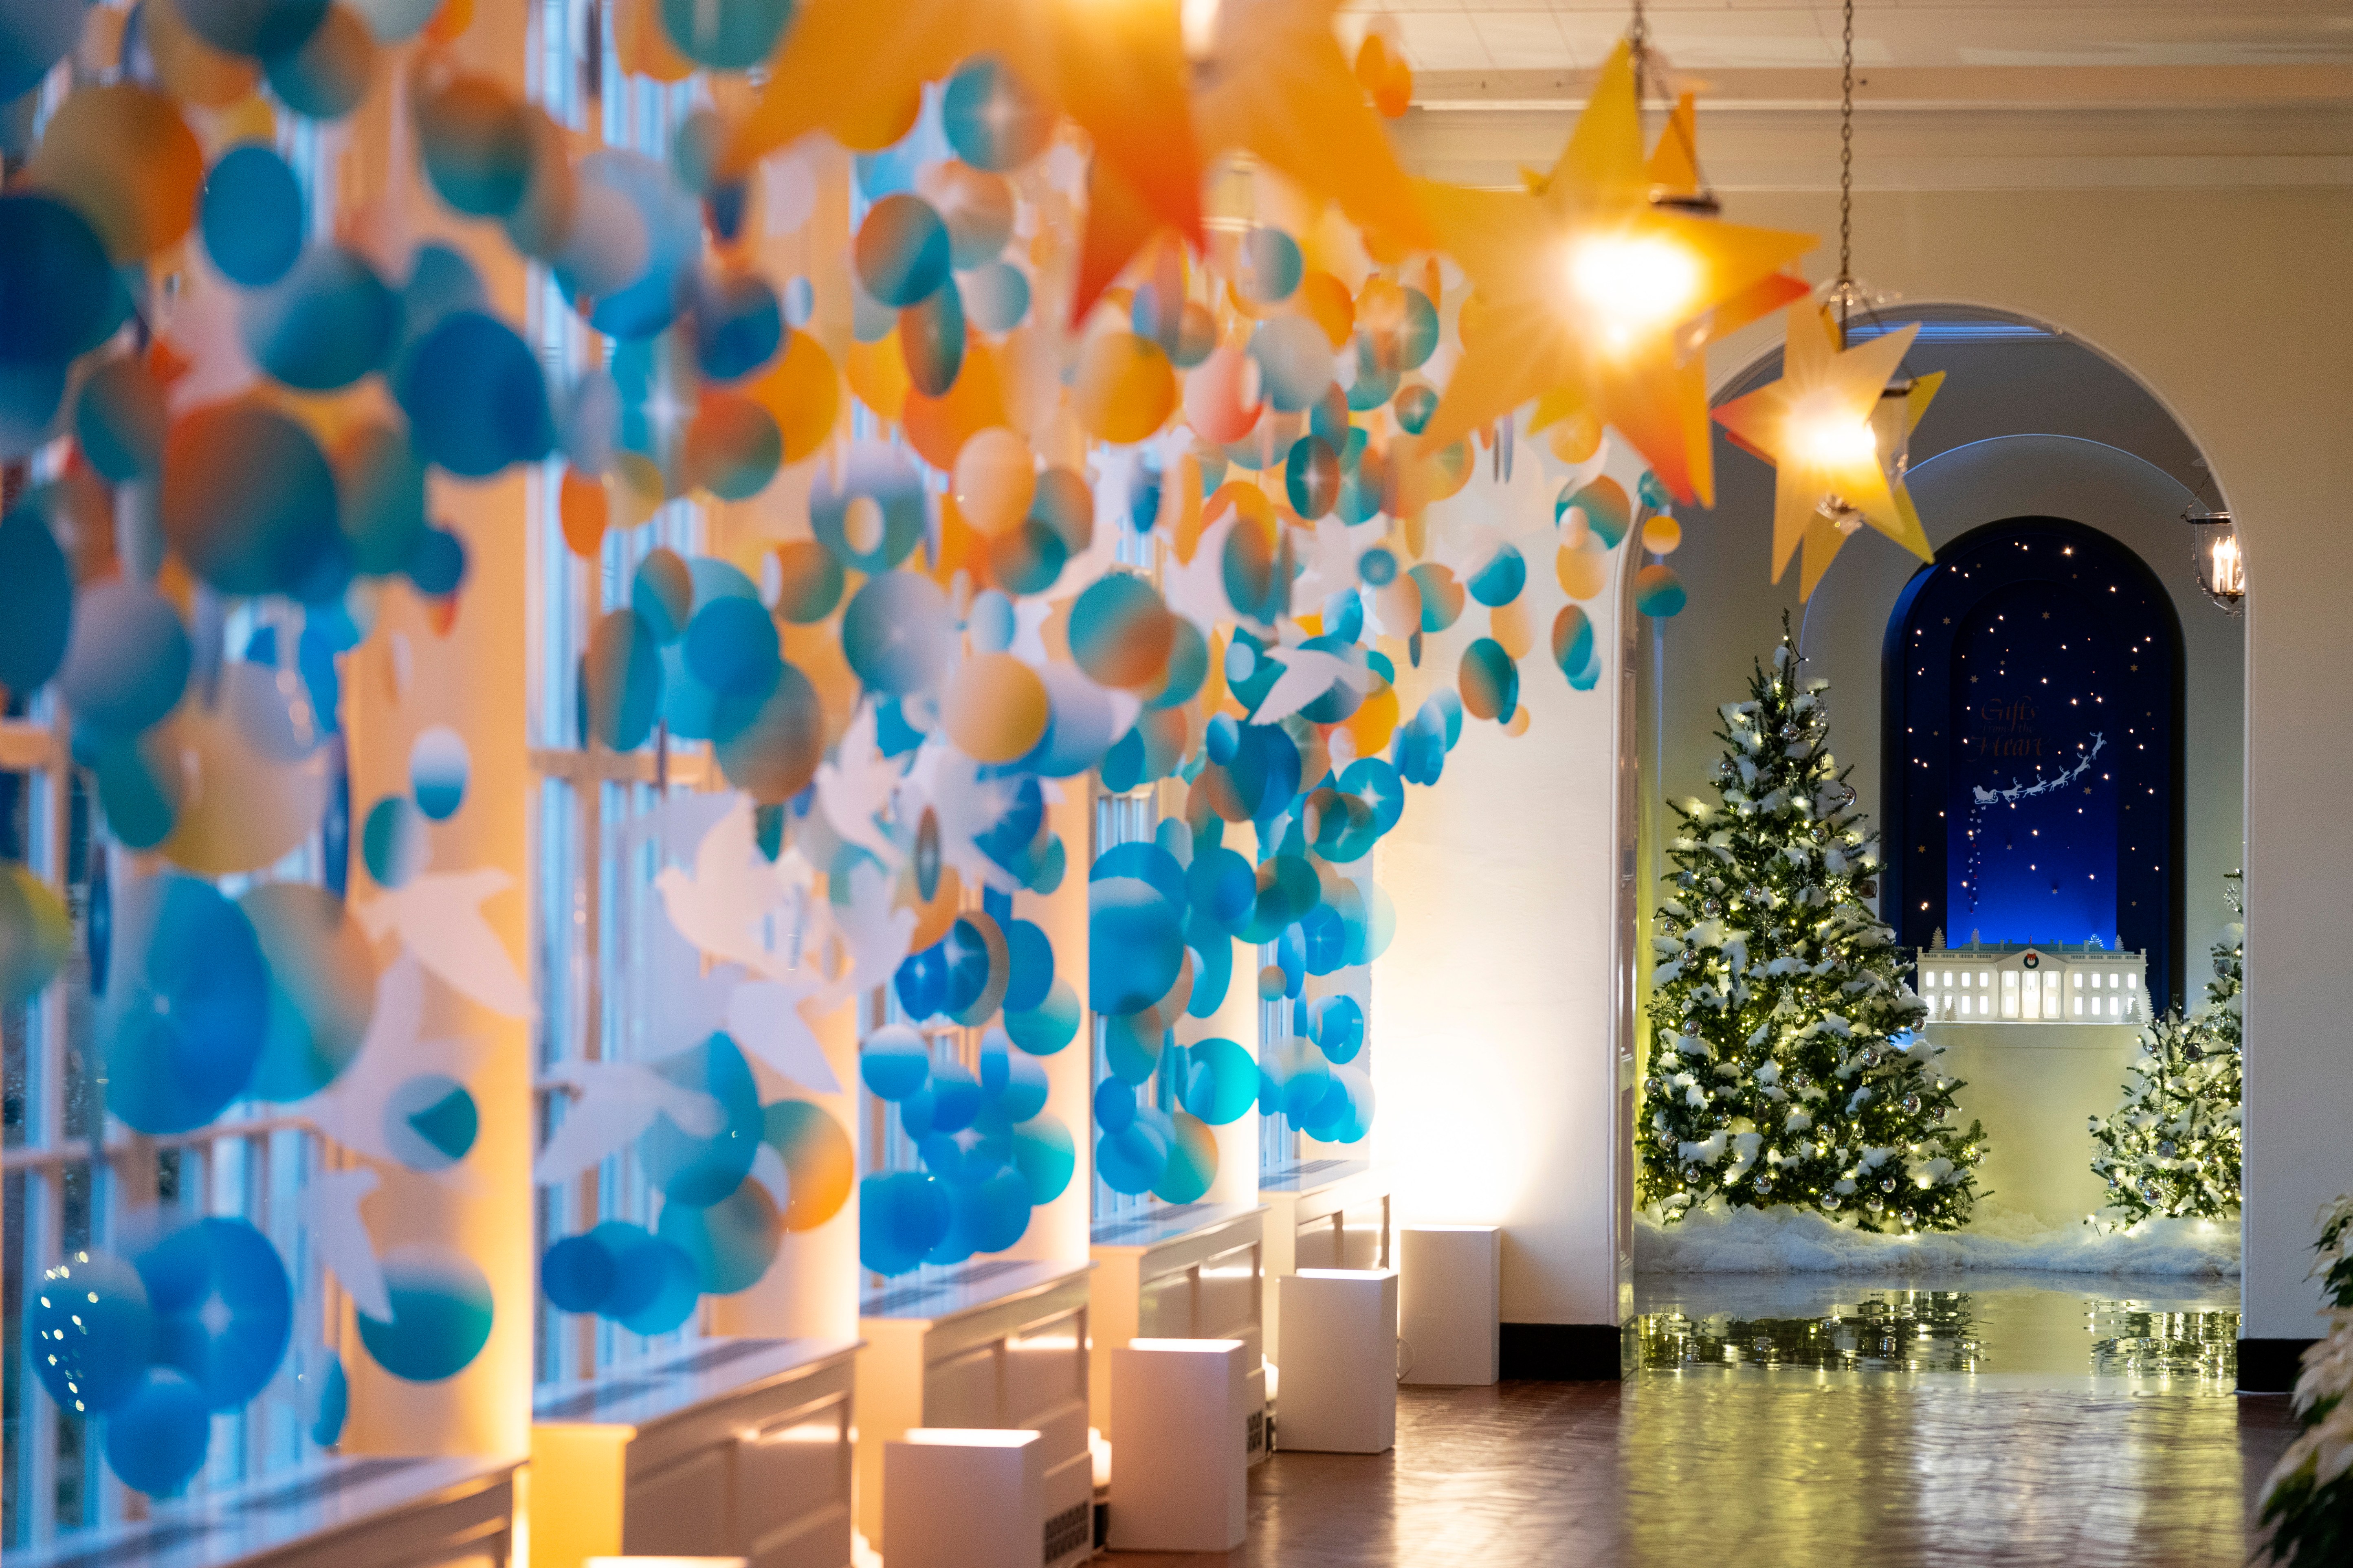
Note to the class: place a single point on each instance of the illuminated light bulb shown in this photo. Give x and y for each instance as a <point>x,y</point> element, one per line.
<point>2229,574</point>
<point>1198,22</point>
<point>1633,284</point>
<point>1839,442</point>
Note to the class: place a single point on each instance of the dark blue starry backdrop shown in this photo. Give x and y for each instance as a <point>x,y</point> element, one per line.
<point>2033,690</point>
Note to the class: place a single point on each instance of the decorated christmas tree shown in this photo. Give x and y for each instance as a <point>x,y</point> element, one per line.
<point>2170,1149</point>
<point>1786,1067</point>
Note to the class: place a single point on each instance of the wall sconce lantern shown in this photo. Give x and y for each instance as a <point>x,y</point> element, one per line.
<point>2214,548</point>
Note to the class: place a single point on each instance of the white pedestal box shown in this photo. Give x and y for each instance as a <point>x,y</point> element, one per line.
<point>1177,1271</point>
<point>964,1498</point>
<point>999,1343</point>
<point>1450,1301</point>
<point>1339,1361</point>
<point>1180,1445</point>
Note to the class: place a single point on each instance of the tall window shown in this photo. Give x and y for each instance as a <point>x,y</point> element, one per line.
<point>2033,746</point>
<point>600,831</point>
<point>78,1179</point>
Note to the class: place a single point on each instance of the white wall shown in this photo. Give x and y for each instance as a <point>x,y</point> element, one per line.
<point>1490,1025</point>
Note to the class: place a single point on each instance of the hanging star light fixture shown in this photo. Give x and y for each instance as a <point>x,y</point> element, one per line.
<point>1597,287</point>
<point>1837,425</point>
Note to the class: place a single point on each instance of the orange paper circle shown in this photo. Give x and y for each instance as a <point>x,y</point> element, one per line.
<point>1125,388</point>
<point>996,709</point>
<point>124,157</point>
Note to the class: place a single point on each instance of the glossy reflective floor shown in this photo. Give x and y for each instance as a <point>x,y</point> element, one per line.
<point>1807,1422</point>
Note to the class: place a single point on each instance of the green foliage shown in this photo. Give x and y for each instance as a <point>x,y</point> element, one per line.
<point>1785,1066</point>
<point>2170,1149</point>
<point>2308,1500</point>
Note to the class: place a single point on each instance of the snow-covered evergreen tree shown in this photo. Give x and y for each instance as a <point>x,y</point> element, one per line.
<point>2170,1149</point>
<point>1784,1065</point>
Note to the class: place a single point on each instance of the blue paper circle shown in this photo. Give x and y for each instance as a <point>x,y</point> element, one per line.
<point>1132,1159</point>
<point>1045,1154</point>
<point>1220,1081</point>
<point>476,398</point>
<point>438,765</point>
<point>1336,1024</point>
<point>991,117</point>
<point>894,1062</point>
<point>36,602</point>
<point>1115,1105</point>
<point>577,1274</point>
<point>155,1439</point>
<point>730,35</point>
<point>956,1096</point>
<point>186,1006</point>
<point>255,28</point>
<point>731,1243</point>
<point>328,321</point>
<point>900,1217</point>
<point>224,1306</point>
<point>59,296</point>
<point>393,844</point>
<point>430,1121</point>
<point>732,646</point>
<point>127,657</point>
<point>693,1170</point>
<point>442,1314</point>
<point>739,324</point>
<point>897,634</point>
<point>253,215</point>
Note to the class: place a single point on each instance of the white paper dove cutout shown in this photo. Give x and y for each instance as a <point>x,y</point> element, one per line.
<point>1196,589</point>
<point>764,1017</point>
<point>874,934</point>
<point>616,1100</point>
<point>672,997</point>
<point>438,915</point>
<point>855,787</point>
<point>330,1210</point>
<point>1331,562</point>
<point>733,891</point>
<point>1307,674</point>
<point>350,1110</point>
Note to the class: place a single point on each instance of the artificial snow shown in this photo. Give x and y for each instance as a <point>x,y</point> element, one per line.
<point>1781,1241</point>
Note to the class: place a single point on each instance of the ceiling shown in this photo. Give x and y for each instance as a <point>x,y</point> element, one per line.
<point>1539,34</point>
<point>1948,92</point>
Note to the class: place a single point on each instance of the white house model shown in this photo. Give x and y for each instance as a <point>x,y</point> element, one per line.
<point>2002,982</point>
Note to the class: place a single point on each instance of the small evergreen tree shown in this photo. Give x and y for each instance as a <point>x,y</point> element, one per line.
<point>1786,1066</point>
<point>2170,1149</point>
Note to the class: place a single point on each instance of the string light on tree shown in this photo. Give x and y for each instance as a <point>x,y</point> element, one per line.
<point>2171,1149</point>
<point>1786,1067</point>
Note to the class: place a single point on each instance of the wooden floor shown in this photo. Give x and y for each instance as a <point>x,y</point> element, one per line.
<point>1723,1468</point>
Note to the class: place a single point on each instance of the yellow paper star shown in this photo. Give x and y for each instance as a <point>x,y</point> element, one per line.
<point>1276,85</point>
<point>1115,66</point>
<point>1590,291</point>
<point>1816,426</point>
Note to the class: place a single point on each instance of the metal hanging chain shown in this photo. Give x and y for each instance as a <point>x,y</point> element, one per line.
<point>1638,40</point>
<point>1846,154</point>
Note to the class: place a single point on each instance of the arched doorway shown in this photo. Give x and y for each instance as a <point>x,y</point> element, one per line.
<point>2046,428</point>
